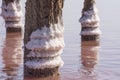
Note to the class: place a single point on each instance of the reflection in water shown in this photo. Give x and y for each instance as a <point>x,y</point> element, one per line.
<point>54,77</point>
<point>2,74</point>
<point>89,58</point>
<point>12,56</point>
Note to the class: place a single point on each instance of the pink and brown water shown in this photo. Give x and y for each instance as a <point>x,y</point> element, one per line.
<point>91,62</point>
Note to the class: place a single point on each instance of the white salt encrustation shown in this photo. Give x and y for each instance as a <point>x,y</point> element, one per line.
<point>11,13</point>
<point>46,44</point>
<point>90,22</point>
<point>45,63</point>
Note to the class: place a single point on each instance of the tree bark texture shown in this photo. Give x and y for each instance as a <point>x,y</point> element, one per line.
<point>11,13</point>
<point>90,22</point>
<point>40,13</point>
<point>43,37</point>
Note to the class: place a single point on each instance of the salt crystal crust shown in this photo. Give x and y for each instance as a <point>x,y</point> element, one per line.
<point>46,43</point>
<point>46,39</point>
<point>90,18</point>
<point>47,53</point>
<point>90,22</point>
<point>14,25</point>
<point>12,12</point>
<point>91,32</point>
<point>45,63</point>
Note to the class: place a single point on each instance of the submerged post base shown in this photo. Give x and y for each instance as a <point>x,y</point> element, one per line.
<point>90,37</point>
<point>41,72</point>
<point>13,29</point>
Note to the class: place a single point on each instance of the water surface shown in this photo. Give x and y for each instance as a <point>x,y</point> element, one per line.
<point>104,58</point>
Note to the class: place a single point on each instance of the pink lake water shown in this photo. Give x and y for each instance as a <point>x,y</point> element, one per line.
<point>91,62</point>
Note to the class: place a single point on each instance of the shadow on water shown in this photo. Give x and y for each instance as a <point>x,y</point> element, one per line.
<point>89,60</point>
<point>12,57</point>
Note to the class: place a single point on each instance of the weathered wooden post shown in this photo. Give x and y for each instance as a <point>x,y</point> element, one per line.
<point>90,22</point>
<point>52,77</point>
<point>43,38</point>
<point>11,12</point>
<point>90,36</point>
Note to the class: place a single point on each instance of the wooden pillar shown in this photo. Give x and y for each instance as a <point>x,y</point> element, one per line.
<point>90,22</point>
<point>11,13</point>
<point>43,38</point>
